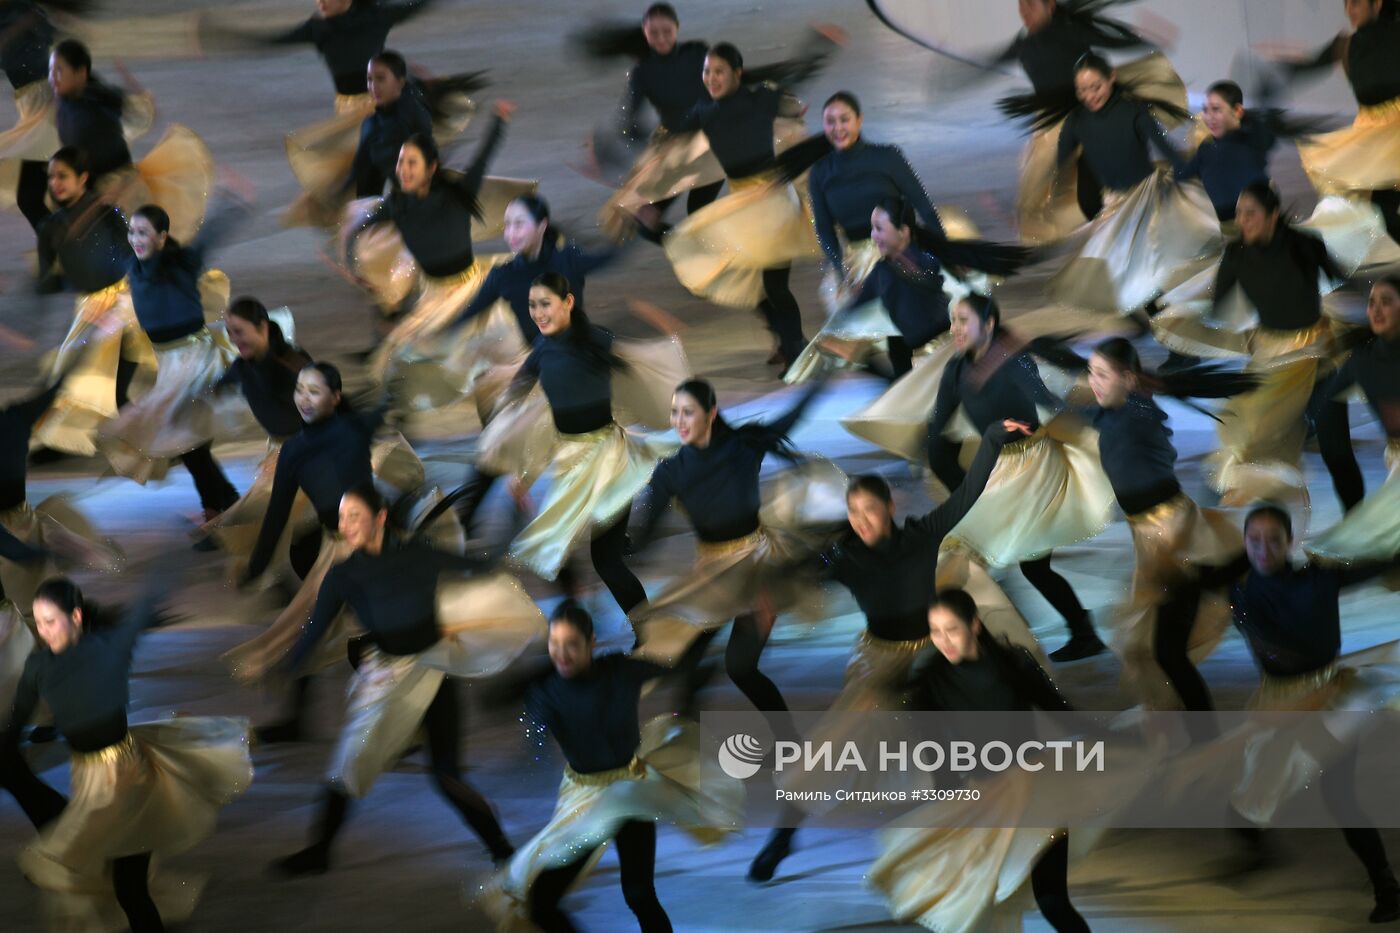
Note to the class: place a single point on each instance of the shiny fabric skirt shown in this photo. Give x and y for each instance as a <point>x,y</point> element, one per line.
<point>1144,243</point>
<point>16,642</point>
<point>66,533</point>
<point>1169,541</point>
<point>159,790</point>
<point>1371,530</point>
<point>897,421</point>
<point>236,528</point>
<point>486,622</point>
<point>720,252</point>
<point>33,138</point>
<point>1362,157</point>
<point>665,782</point>
<point>178,174</point>
<point>174,416</point>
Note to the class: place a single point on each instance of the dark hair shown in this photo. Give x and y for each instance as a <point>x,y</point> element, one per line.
<point>73,157</point>
<point>1266,194</point>
<point>254,312</point>
<point>392,60</point>
<point>62,592</point>
<point>369,494</point>
<point>755,434</point>
<point>1228,91</point>
<point>662,9</point>
<point>538,209</point>
<point>570,612</point>
<point>1202,381</point>
<point>871,485</point>
<point>983,255</point>
<point>425,144</point>
<point>155,215</point>
<point>74,54</point>
<point>1276,512</point>
<point>986,309</point>
<point>331,374</point>
<point>729,53</point>
<point>843,97</point>
<point>958,603</point>
<point>1392,280</point>
<point>1092,61</point>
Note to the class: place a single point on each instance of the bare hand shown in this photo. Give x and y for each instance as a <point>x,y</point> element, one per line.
<point>504,109</point>
<point>663,321</point>
<point>521,495</point>
<point>1016,427</point>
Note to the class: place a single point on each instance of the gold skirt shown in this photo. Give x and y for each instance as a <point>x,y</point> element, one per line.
<point>34,137</point>
<point>1045,492</point>
<point>236,528</point>
<point>1354,233</point>
<point>1359,158</point>
<point>665,782</point>
<point>16,642</point>
<point>1168,540</point>
<point>1145,242</point>
<point>59,528</point>
<point>177,174</point>
<point>159,790</point>
<point>897,421</point>
<point>173,417</point>
<point>381,261</point>
<point>721,251</point>
<point>1371,530</point>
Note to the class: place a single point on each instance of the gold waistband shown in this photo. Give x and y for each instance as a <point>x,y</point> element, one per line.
<point>456,278</point>
<point>708,550</point>
<point>871,642</point>
<point>752,181</point>
<point>597,434</point>
<point>632,771</point>
<point>109,293</point>
<point>347,102</point>
<point>108,755</point>
<point>1274,686</point>
<point>1161,511</point>
<point>1376,114</point>
<point>1023,445</point>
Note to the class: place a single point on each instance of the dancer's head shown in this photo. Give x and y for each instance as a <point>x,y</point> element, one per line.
<point>1094,79</point>
<point>694,408</point>
<point>892,227</point>
<point>386,77</point>
<point>954,626</point>
<point>527,223</point>
<point>70,67</point>
<point>418,163</point>
<point>253,333</point>
<point>1114,370</point>
<point>58,613</point>
<point>724,70</point>
<point>661,26</point>
<point>551,303</point>
<point>1257,212</point>
<point>1383,308</point>
<point>363,517</point>
<point>841,120</point>
<point>975,321</point>
<point>148,231</point>
<point>318,393</point>
<point>1224,108</point>
<point>870,508</point>
<point>1361,12</point>
<point>328,8</point>
<point>570,639</point>
<point>1036,14</point>
<point>68,175</point>
<point>1268,537</point>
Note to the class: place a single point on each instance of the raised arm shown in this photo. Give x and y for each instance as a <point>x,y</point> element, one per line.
<point>943,519</point>
<point>485,297</point>
<point>476,171</point>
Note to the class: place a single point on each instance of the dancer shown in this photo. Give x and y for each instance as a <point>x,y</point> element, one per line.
<point>975,671</point>
<point>1236,154</point>
<point>141,792</point>
<point>1047,491</point>
<point>347,34</point>
<point>398,114</point>
<point>620,780</point>
<point>405,680</point>
<point>26,35</point>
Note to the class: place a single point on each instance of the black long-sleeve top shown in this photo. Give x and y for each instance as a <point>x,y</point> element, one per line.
<point>739,128</point>
<point>594,715</point>
<point>83,245</point>
<point>1375,367</point>
<point>1228,165</point>
<point>846,186</point>
<point>347,42</point>
<point>393,595</point>
<point>269,385</point>
<point>327,458</point>
<point>718,484</point>
<point>671,83</point>
<point>1002,678</point>
<point>1372,53</point>
<point>511,281</point>
<point>16,423</point>
<point>165,287</point>
<point>92,122</point>
<point>1049,56</point>
<point>893,582</point>
<point>1136,451</point>
<point>382,135</point>
<point>28,34</point>
<point>437,228</point>
<point>1280,278</point>
<point>1117,141</point>
<point>914,298</point>
<point>576,378</point>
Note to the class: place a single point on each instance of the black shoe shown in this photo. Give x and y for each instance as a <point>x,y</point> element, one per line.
<point>313,860</point>
<point>1077,648</point>
<point>766,862</point>
<point>1387,907</point>
<point>287,731</point>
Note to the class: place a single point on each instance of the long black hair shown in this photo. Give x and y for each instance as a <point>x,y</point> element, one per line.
<point>69,598</point>
<point>254,312</point>
<point>538,209</point>
<point>1044,111</point>
<point>983,255</point>
<point>755,434</point>
<point>1203,381</point>
<point>580,333</point>
<point>449,180</point>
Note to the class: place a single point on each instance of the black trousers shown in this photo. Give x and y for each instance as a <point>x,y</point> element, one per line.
<point>1089,191</point>
<point>1175,618</point>
<point>216,493</point>
<point>1058,593</point>
<point>781,313</point>
<point>1389,203</point>
<point>1334,442</point>
<point>607,550</point>
<point>30,192</point>
<point>1050,884</point>
<point>636,858</point>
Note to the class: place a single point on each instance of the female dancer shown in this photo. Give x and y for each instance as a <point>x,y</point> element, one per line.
<point>347,34</point>
<point>150,790</point>
<point>172,419</point>
<point>398,114</point>
<point>611,789</point>
<point>991,380</point>
<point>1235,155</point>
<point>598,467</point>
<point>402,682</point>
<point>975,671</point>
<point>26,34</point>
<point>1172,228</point>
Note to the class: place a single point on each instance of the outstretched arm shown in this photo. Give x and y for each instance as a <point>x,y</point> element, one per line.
<point>943,519</point>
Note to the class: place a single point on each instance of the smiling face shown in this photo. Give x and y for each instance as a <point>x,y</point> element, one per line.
<point>360,525</point>
<point>1092,89</point>
<point>569,651</point>
<point>1036,14</point>
<point>1266,544</point>
<point>414,172</point>
<point>889,239</point>
<point>145,241</point>
<point>313,397</point>
<point>65,185</point>
<point>57,629</point>
<point>690,419</point>
<point>524,234</point>
<point>1257,225</point>
<point>550,313</point>
<point>383,85</point>
<point>1221,118</point>
<point>969,332</point>
<point>65,80</point>
<point>720,78</point>
<point>1109,384</point>
<point>954,638</point>
<point>1383,311</point>
<point>661,33</point>
<point>870,517</point>
<point>841,125</point>
<point>1361,12</point>
<point>249,339</point>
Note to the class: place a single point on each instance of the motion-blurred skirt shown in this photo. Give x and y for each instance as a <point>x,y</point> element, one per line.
<point>59,528</point>
<point>177,174</point>
<point>1169,541</point>
<point>1362,157</point>
<point>159,790</point>
<point>33,138</point>
<point>1371,530</point>
<point>897,421</point>
<point>721,251</point>
<point>487,622</point>
<point>236,528</point>
<point>1145,242</point>
<point>665,782</point>
<point>16,642</point>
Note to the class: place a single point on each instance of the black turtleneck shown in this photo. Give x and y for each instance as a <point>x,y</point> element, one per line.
<point>510,282</point>
<point>1226,166</point>
<point>914,298</point>
<point>671,83</point>
<point>1372,53</point>
<point>92,121</point>
<point>576,378</point>
<point>25,37</point>
<point>1003,678</point>
<point>739,128</point>
<point>1280,278</point>
<point>1049,56</point>
<point>83,246</point>
<point>1375,367</point>
<point>1136,451</point>
<point>347,42</point>
<point>593,715</point>
<point>382,135</point>
<point>268,385</point>
<point>1117,141</point>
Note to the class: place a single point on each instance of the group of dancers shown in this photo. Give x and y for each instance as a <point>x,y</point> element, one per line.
<point>1029,426</point>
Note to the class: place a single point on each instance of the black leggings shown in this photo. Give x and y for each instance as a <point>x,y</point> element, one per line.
<point>1334,442</point>
<point>129,880</point>
<point>607,551</point>
<point>1175,619</point>
<point>442,722</point>
<point>901,357</point>
<point>1050,883</point>
<point>1339,793</point>
<point>781,312</point>
<point>1057,592</point>
<point>636,859</point>
<point>29,193</point>
<point>1389,203</point>
<point>741,656</point>
<point>216,493</point>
